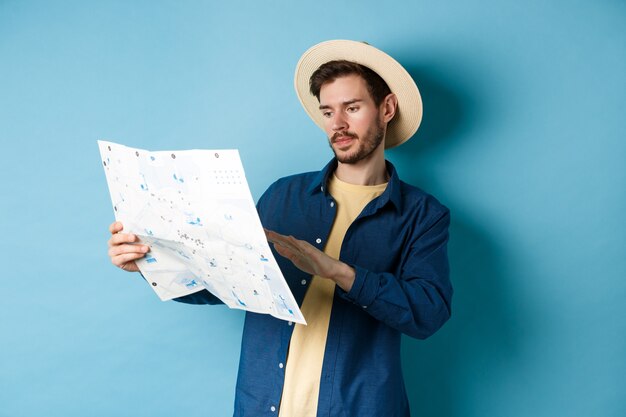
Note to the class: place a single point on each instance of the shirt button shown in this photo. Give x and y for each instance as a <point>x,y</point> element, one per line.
<point>303,282</point>
<point>332,204</point>
<point>364,306</point>
<point>280,365</point>
<point>318,240</point>
<point>290,323</point>
<point>273,408</point>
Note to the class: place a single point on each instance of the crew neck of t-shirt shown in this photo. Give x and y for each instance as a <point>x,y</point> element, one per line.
<point>356,188</point>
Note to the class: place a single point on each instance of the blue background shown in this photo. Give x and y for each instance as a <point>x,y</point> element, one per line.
<point>523,138</point>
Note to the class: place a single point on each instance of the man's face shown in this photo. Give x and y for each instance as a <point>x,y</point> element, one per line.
<point>352,119</point>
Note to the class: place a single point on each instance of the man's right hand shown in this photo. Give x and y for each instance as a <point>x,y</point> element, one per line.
<point>124,248</point>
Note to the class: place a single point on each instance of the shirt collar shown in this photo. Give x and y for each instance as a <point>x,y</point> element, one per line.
<point>392,192</point>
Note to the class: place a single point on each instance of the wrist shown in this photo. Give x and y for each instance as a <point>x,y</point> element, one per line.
<point>344,276</point>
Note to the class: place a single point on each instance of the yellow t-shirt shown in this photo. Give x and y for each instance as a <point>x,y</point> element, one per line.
<point>306,349</point>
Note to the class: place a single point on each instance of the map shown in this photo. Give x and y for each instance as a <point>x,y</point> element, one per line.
<point>195,211</point>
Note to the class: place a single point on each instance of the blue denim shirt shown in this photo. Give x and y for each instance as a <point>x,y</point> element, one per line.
<point>397,247</point>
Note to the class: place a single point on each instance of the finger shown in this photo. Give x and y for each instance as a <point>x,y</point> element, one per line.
<point>273,236</point>
<point>128,248</point>
<point>285,242</point>
<point>121,260</point>
<point>284,251</point>
<point>276,235</point>
<point>296,247</point>
<point>302,246</point>
<point>121,238</point>
<point>116,227</point>
<point>297,242</point>
<point>124,249</point>
<point>278,238</point>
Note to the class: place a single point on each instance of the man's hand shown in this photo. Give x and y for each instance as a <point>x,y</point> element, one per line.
<point>123,248</point>
<point>311,260</point>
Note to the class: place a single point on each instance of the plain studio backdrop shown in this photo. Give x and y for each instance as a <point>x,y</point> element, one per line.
<point>523,138</point>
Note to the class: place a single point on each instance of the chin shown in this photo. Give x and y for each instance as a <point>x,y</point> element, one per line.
<point>348,158</point>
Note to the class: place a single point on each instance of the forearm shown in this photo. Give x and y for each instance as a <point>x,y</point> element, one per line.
<point>415,306</point>
<point>416,298</point>
<point>343,275</point>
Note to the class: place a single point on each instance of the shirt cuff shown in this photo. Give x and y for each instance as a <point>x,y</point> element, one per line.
<point>364,288</point>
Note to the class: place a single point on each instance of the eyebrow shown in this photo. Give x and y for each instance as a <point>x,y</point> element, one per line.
<point>345,103</point>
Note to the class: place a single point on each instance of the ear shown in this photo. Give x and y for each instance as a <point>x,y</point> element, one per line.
<point>389,107</point>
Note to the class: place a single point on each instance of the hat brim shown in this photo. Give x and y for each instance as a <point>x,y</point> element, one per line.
<point>409,112</point>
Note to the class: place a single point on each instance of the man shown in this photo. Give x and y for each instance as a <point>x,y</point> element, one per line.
<point>363,252</point>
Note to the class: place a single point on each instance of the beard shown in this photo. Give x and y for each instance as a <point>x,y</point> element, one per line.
<point>366,145</point>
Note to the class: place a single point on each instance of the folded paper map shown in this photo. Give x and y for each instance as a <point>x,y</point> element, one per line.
<point>195,211</point>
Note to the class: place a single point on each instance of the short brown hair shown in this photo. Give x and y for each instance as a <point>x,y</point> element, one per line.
<point>332,70</point>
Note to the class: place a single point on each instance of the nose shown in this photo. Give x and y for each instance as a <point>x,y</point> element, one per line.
<point>338,122</point>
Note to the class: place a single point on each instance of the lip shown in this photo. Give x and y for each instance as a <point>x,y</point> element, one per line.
<point>343,141</point>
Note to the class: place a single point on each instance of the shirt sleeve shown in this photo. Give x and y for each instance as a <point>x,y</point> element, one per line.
<point>417,302</point>
<point>200,297</point>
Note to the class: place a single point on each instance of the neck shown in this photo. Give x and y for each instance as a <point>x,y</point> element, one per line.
<point>370,171</point>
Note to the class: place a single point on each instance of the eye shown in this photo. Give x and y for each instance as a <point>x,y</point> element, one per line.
<point>352,109</point>
<point>327,114</point>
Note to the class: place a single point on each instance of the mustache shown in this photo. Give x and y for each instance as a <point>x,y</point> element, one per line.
<point>344,134</point>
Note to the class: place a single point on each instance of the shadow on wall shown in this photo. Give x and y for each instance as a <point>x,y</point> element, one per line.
<point>443,373</point>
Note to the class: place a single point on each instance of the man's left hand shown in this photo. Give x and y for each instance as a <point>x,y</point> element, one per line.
<point>311,260</point>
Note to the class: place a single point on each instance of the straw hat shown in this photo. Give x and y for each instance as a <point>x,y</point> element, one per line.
<point>409,113</point>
